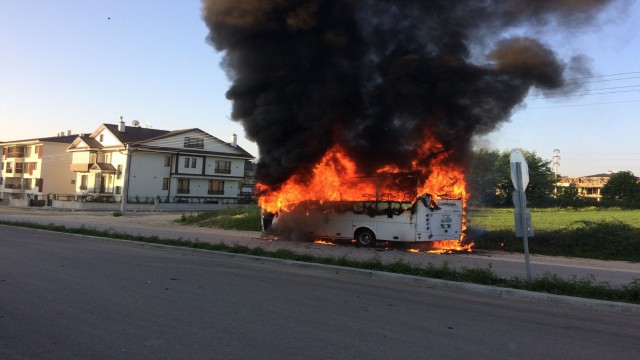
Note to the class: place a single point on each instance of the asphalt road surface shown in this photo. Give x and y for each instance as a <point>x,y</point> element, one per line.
<point>69,297</point>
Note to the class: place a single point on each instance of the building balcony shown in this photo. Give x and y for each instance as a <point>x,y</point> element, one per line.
<point>84,167</point>
<point>15,154</point>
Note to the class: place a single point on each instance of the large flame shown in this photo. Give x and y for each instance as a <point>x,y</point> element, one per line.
<point>336,178</point>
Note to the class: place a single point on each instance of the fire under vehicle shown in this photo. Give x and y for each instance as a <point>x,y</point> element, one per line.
<point>422,220</point>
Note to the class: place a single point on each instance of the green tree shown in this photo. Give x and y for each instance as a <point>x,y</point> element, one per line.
<point>622,185</point>
<point>489,179</point>
<point>483,177</point>
<point>567,195</point>
<point>541,180</point>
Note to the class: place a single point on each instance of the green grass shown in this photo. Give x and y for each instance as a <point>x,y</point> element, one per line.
<point>549,219</point>
<point>552,284</point>
<point>611,234</point>
<point>245,218</point>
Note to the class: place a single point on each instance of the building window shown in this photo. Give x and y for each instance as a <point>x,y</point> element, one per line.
<point>165,183</point>
<point>19,167</point>
<point>27,151</point>
<point>1,180</point>
<point>193,143</point>
<point>27,184</point>
<point>193,163</point>
<point>167,161</point>
<point>84,180</point>
<point>119,172</point>
<point>101,138</point>
<point>216,187</point>
<point>223,167</point>
<point>183,186</point>
<point>9,168</point>
<point>73,182</point>
<point>118,190</point>
<point>186,162</point>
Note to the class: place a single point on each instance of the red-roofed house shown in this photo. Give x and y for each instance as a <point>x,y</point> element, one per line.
<point>157,166</point>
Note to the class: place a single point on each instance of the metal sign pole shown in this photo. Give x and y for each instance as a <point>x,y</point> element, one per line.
<point>523,219</point>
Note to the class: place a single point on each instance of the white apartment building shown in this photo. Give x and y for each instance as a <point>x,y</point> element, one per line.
<point>33,169</point>
<point>150,165</point>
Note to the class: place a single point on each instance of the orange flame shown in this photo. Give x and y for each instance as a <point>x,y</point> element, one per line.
<point>323,242</point>
<point>336,178</point>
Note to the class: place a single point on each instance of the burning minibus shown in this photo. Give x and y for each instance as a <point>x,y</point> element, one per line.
<point>422,220</point>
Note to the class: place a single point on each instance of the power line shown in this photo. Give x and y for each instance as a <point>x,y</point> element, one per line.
<point>578,105</point>
<point>588,94</point>
<point>583,92</point>
<point>598,76</point>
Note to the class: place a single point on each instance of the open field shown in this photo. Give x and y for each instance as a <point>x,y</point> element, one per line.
<point>606,234</point>
<point>549,219</point>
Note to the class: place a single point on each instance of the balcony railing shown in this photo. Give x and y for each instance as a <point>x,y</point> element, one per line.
<point>182,191</point>
<point>83,165</point>
<point>13,186</point>
<point>215,192</point>
<point>15,154</point>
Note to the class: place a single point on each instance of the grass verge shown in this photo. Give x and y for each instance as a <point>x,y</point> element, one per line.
<point>244,218</point>
<point>603,240</point>
<point>550,283</point>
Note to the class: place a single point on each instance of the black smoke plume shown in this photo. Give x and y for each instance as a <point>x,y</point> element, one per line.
<point>375,76</point>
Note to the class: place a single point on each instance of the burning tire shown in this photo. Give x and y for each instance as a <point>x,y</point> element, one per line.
<point>365,237</point>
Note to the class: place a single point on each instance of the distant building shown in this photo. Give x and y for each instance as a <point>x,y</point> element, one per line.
<point>152,165</point>
<point>588,186</point>
<point>32,169</point>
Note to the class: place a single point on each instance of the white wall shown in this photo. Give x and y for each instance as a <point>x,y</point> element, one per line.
<point>237,167</point>
<point>80,157</point>
<point>182,169</point>
<point>109,139</point>
<point>146,173</point>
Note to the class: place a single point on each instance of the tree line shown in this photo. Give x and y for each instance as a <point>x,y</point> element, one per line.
<point>489,184</point>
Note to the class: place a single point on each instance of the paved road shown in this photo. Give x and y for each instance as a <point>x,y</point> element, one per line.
<point>616,273</point>
<point>66,297</point>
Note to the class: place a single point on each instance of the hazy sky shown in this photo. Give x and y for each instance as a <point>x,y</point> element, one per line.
<point>73,64</point>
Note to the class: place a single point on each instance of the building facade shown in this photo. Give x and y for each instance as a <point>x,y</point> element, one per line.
<point>588,186</point>
<point>32,170</point>
<point>146,165</point>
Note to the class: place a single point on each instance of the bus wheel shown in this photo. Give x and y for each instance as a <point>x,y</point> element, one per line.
<point>365,237</point>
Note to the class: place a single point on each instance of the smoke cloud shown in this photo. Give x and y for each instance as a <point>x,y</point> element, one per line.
<point>375,76</point>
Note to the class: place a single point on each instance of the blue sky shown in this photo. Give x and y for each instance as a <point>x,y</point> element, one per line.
<point>72,64</point>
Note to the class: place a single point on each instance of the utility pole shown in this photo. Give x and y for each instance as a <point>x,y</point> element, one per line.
<point>125,183</point>
<point>556,164</point>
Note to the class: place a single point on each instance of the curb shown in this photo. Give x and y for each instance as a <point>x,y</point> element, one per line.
<point>601,305</point>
